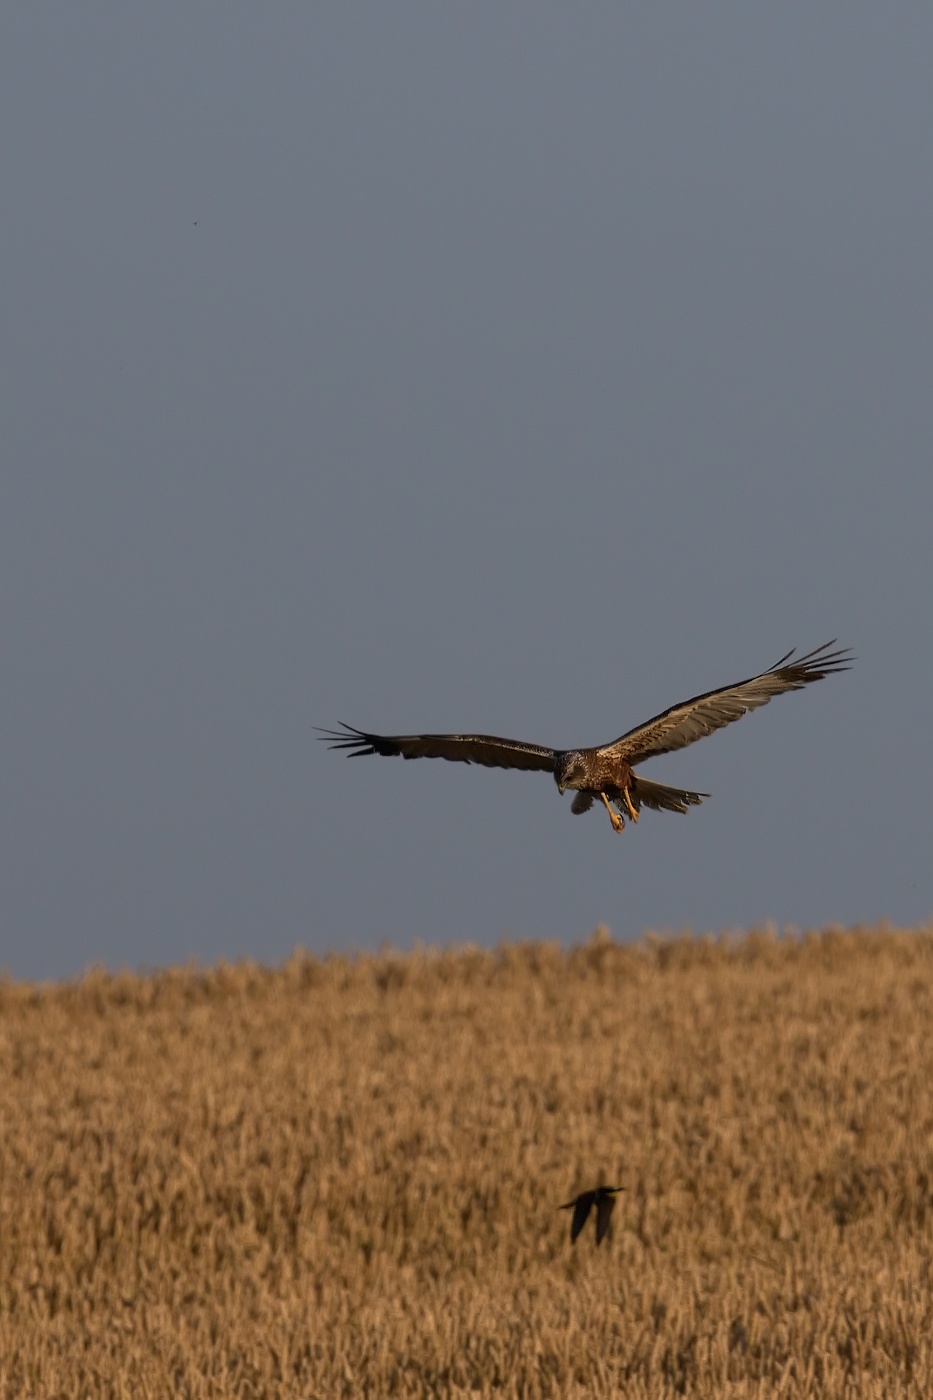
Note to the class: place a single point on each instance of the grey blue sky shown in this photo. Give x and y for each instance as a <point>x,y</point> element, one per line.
<point>509,368</point>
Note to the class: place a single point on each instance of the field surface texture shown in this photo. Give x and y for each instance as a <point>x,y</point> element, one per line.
<point>341,1177</point>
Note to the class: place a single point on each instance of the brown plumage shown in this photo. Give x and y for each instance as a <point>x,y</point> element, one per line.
<point>604,1199</point>
<point>607,772</point>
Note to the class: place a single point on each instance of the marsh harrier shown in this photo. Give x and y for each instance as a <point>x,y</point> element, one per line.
<point>607,772</point>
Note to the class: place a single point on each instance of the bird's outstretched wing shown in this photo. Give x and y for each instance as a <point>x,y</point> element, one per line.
<point>458,748</point>
<point>581,1209</point>
<point>692,719</point>
<point>604,1207</point>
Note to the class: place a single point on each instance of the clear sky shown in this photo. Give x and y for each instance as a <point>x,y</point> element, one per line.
<point>520,369</point>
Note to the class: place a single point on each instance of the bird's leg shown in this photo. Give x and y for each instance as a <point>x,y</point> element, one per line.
<point>628,802</point>
<point>617,822</point>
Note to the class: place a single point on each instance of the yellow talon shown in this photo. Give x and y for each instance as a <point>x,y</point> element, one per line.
<point>628,802</point>
<point>614,817</point>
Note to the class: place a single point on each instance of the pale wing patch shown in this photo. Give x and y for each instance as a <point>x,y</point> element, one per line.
<point>692,719</point>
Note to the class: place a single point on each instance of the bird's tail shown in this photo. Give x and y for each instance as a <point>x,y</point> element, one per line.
<point>645,793</point>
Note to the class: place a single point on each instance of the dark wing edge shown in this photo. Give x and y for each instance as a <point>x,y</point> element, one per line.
<point>604,1211</point>
<point>485,749</point>
<point>693,719</point>
<point>581,1209</point>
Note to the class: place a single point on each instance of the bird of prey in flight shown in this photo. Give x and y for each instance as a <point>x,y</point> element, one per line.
<point>607,772</point>
<point>603,1198</point>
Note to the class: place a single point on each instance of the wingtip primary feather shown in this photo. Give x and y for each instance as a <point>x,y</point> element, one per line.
<point>356,740</point>
<point>820,658</point>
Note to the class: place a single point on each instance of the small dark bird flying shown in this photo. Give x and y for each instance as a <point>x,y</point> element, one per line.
<point>607,772</point>
<point>604,1199</point>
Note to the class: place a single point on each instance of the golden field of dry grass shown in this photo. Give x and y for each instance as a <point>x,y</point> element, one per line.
<point>341,1177</point>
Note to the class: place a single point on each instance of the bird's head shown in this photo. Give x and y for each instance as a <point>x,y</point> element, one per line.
<point>569,770</point>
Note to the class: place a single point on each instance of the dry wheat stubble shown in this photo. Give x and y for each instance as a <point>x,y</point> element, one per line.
<point>342,1176</point>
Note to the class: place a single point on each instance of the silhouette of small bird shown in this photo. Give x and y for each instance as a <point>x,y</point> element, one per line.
<point>603,1198</point>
